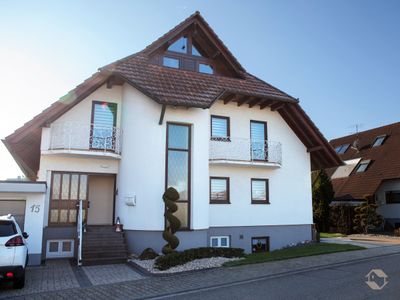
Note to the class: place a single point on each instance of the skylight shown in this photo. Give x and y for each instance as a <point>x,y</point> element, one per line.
<point>342,148</point>
<point>362,166</point>
<point>379,140</point>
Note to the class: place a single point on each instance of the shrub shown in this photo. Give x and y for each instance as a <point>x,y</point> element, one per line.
<point>148,253</point>
<point>180,258</point>
<point>170,196</point>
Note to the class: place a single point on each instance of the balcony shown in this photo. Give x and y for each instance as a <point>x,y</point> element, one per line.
<point>78,138</point>
<point>240,151</point>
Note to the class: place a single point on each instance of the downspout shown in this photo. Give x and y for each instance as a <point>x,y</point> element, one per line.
<point>162,114</point>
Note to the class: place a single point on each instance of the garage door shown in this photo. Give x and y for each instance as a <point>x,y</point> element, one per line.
<point>14,207</point>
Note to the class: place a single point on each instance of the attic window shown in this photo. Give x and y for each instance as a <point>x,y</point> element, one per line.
<point>379,140</point>
<point>205,68</point>
<point>362,166</point>
<point>342,148</point>
<point>179,46</point>
<point>171,62</point>
<point>195,52</point>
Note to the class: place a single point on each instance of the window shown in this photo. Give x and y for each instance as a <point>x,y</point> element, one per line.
<point>379,141</point>
<point>220,128</point>
<point>7,228</point>
<point>342,148</point>
<point>104,119</point>
<point>66,190</point>
<point>60,248</point>
<point>219,241</point>
<point>363,166</point>
<point>259,244</point>
<point>178,168</point>
<point>171,62</point>
<point>259,191</point>
<point>195,52</point>
<point>179,45</point>
<point>205,68</point>
<point>258,136</point>
<point>392,197</point>
<point>219,190</point>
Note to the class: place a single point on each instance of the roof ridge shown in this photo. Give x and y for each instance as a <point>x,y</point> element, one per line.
<point>365,131</point>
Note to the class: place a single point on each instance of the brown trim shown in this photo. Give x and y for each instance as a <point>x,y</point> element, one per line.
<point>189,150</point>
<point>228,129</point>
<point>227,201</point>
<point>266,180</point>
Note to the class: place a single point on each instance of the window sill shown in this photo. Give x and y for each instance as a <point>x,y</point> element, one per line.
<point>260,202</point>
<point>219,202</point>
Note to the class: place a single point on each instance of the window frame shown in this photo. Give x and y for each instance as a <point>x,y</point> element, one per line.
<point>363,162</point>
<point>219,238</point>
<point>383,137</point>
<point>266,201</point>
<point>172,57</point>
<point>189,150</point>
<point>347,146</point>
<point>206,64</point>
<point>265,140</point>
<point>227,180</point>
<point>390,192</point>
<point>92,125</point>
<point>267,238</point>
<point>228,129</point>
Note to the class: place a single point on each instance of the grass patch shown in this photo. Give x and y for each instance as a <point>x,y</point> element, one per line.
<point>330,235</point>
<point>299,251</point>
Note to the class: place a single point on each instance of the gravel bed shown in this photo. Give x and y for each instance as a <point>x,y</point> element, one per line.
<point>197,264</point>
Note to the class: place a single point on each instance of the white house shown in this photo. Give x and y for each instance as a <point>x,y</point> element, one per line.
<point>183,113</point>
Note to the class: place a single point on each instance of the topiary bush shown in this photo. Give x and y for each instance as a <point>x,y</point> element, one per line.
<point>170,196</point>
<point>180,258</point>
<point>148,253</point>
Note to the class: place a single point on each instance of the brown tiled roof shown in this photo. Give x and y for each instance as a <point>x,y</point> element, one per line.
<point>385,162</point>
<point>169,86</point>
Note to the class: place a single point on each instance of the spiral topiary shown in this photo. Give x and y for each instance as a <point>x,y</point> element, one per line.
<point>170,196</point>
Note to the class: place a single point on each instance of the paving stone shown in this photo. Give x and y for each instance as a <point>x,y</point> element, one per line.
<point>106,274</point>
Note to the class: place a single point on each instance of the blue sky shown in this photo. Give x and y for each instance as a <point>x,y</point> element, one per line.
<point>341,58</point>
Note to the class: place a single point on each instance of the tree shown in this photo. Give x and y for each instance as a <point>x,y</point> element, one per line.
<point>340,218</point>
<point>322,196</point>
<point>366,217</point>
<point>170,196</point>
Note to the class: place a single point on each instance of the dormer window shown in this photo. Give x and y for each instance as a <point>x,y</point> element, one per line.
<point>379,140</point>
<point>195,52</point>
<point>179,46</point>
<point>171,62</point>
<point>342,148</point>
<point>363,166</point>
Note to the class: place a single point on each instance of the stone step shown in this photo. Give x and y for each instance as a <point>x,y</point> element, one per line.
<point>122,254</point>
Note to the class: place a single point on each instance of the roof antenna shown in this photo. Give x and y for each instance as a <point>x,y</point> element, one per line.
<point>356,142</point>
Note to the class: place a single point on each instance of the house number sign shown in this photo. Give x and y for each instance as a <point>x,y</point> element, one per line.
<point>35,208</point>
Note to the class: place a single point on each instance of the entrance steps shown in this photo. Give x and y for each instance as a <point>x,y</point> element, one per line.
<point>102,245</point>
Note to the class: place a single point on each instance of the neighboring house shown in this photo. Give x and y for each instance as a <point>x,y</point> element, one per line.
<point>372,167</point>
<point>183,113</point>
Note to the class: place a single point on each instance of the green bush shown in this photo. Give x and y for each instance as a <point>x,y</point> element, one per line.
<point>148,253</point>
<point>180,258</point>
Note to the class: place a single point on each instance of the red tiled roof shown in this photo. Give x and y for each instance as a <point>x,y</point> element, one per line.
<point>385,162</point>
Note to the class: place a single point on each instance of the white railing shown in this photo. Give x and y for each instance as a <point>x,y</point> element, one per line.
<point>79,228</point>
<point>81,136</point>
<point>245,150</point>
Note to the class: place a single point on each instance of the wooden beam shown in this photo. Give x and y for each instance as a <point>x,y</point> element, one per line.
<point>254,101</point>
<point>296,128</point>
<point>313,149</point>
<point>162,114</point>
<point>217,53</point>
<point>277,106</point>
<point>110,82</point>
<point>229,98</point>
<point>266,103</point>
<point>242,100</point>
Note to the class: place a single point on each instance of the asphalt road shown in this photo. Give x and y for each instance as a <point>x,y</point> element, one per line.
<point>341,282</point>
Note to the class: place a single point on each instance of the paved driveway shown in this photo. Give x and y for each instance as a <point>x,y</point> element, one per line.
<point>60,275</point>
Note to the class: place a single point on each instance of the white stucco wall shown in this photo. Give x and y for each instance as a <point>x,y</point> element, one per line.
<point>34,217</point>
<point>289,186</point>
<point>142,166</point>
<point>388,211</point>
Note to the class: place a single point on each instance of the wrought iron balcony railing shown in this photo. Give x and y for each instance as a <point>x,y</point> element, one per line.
<point>245,150</point>
<point>80,136</point>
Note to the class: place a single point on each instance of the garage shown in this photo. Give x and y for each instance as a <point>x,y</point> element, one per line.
<point>14,207</point>
<point>25,200</point>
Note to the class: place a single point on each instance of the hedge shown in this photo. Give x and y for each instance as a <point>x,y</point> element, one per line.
<point>180,258</point>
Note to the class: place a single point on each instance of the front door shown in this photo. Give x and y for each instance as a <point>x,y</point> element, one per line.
<point>101,199</point>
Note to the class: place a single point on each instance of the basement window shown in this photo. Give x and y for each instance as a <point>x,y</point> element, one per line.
<point>342,148</point>
<point>259,244</point>
<point>59,248</point>
<point>219,241</point>
<point>363,166</point>
<point>379,140</point>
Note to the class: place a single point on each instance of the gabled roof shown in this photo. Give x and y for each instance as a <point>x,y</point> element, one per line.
<point>385,161</point>
<point>178,87</point>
